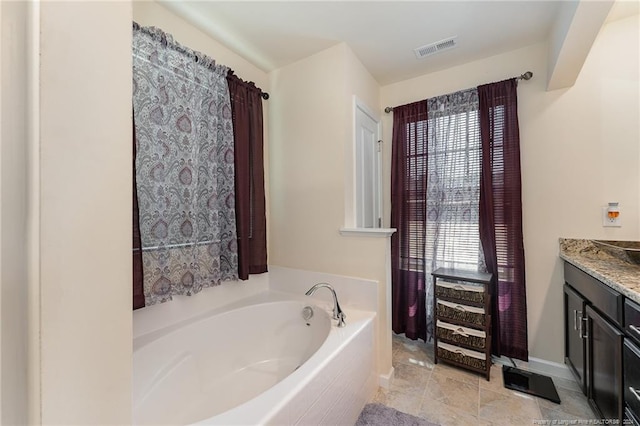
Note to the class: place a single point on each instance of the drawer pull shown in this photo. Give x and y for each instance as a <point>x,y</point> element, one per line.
<point>584,327</point>
<point>458,287</point>
<point>580,319</point>
<point>634,392</point>
<point>634,328</point>
<point>575,319</point>
<point>460,308</point>
<point>461,332</point>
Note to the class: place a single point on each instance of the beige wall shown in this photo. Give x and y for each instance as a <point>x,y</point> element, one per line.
<point>580,149</point>
<point>14,122</point>
<point>85,213</point>
<point>311,130</point>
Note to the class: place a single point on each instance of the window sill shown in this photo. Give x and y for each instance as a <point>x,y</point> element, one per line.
<point>367,232</point>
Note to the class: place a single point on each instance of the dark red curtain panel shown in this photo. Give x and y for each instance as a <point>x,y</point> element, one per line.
<point>501,216</point>
<point>138,284</point>
<point>408,216</point>
<point>251,224</point>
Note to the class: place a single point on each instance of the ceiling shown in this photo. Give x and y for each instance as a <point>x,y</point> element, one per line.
<point>383,34</point>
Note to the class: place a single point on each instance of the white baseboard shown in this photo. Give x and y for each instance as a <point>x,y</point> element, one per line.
<point>540,366</point>
<point>384,380</point>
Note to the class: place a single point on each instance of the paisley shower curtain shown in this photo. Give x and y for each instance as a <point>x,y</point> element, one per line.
<point>184,167</point>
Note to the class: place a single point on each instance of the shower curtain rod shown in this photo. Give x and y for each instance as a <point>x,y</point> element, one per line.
<point>526,76</point>
<point>264,95</point>
<point>153,32</point>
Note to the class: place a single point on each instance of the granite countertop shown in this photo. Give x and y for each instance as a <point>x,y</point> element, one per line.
<point>615,272</point>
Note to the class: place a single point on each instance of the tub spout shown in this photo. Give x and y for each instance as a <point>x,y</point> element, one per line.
<point>337,311</point>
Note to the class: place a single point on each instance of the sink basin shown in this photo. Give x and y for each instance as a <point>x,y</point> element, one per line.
<point>625,250</point>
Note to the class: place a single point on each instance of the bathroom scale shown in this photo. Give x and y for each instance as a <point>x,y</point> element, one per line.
<point>531,383</point>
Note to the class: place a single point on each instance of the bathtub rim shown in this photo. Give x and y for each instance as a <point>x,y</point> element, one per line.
<point>262,298</point>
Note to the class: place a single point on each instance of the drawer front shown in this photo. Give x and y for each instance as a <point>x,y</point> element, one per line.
<point>459,312</point>
<point>463,292</point>
<point>632,319</point>
<point>603,298</point>
<point>461,335</point>
<point>462,356</point>
<point>632,378</point>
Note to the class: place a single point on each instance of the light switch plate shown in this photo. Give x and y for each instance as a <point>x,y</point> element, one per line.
<point>610,223</point>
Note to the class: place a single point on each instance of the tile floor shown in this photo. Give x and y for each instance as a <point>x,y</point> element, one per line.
<point>447,395</point>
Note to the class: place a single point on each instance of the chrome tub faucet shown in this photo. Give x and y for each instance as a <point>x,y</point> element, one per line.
<point>337,311</point>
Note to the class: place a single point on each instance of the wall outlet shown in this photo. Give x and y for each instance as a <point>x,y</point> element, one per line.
<point>610,222</point>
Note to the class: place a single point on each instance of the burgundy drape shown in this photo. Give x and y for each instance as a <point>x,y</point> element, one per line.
<point>138,284</point>
<point>408,216</point>
<point>251,224</point>
<point>501,216</point>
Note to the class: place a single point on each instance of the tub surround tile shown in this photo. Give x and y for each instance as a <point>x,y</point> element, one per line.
<point>618,274</point>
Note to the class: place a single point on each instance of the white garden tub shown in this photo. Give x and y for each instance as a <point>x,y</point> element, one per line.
<point>257,361</point>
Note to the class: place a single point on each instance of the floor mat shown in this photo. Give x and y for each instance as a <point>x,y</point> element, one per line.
<point>380,415</point>
<point>531,383</point>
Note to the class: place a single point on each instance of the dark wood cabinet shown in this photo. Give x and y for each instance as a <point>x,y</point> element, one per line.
<point>594,337</point>
<point>631,364</point>
<point>575,344</point>
<point>632,320</point>
<point>604,365</point>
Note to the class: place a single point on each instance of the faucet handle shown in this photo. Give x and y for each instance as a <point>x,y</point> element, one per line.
<point>341,317</point>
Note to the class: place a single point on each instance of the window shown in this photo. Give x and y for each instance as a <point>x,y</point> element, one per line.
<point>452,161</point>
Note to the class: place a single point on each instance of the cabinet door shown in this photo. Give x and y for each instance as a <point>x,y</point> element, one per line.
<point>604,366</point>
<point>574,344</point>
<point>631,369</point>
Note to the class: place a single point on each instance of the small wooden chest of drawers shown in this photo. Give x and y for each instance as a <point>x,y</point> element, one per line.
<point>462,308</point>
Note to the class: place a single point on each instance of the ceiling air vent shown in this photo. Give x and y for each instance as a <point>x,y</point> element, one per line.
<point>439,46</point>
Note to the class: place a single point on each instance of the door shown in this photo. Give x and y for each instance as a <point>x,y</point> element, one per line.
<point>368,170</point>
<point>574,344</point>
<point>604,366</point>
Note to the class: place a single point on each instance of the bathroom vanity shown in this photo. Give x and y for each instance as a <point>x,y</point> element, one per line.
<point>602,327</point>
